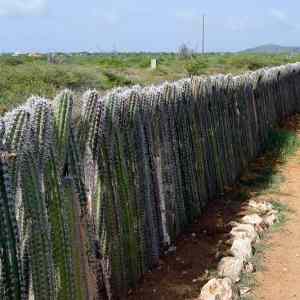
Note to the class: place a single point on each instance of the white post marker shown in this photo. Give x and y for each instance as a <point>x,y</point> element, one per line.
<point>153,64</point>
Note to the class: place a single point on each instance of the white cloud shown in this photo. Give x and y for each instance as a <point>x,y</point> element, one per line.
<point>23,7</point>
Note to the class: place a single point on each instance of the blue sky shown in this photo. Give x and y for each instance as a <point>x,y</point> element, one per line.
<point>140,25</point>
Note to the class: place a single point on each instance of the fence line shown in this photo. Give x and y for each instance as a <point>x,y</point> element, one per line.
<point>89,203</point>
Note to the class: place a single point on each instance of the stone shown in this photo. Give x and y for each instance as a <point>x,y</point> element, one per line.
<point>253,219</point>
<point>245,291</point>
<point>231,267</point>
<point>241,231</point>
<point>220,289</point>
<point>271,218</point>
<point>261,229</point>
<point>261,207</point>
<point>242,248</point>
<point>249,267</point>
<point>256,221</point>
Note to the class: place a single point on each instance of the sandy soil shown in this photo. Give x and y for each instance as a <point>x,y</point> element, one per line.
<point>280,278</point>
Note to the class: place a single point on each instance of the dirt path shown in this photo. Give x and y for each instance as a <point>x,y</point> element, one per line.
<point>280,277</point>
<point>182,274</point>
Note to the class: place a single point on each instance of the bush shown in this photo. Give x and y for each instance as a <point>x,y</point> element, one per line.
<point>196,66</point>
<point>250,62</point>
<point>20,82</point>
<point>117,80</point>
<point>12,61</point>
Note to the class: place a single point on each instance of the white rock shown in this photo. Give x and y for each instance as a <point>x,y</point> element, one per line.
<point>271,218</point>
<point>257,221</point>
<point>231,267</point>
<point>262,207</point>
<point>242,231</point>
<point>220,289</point>
<point>242,248</point>
<point>253,219</point>
<point>245,291</point>
<point>261,229</point>
<point>249,267</point>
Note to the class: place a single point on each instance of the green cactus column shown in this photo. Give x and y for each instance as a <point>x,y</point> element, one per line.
<point>10,264</point>
<point>63,106</point>
<point>74,227</point>
<point>40,244</point>
<point>16,125</point>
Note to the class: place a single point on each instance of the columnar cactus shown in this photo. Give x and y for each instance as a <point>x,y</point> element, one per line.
<point>90,204</point>
<point>35,154</point>
<point>2,131</point>
<point>40,135</point>
<point>76,170</point>
<point>11,279</point>
<point>14,138</point>
<point>40,243</point>
<point>75,248</point>
<point>59,236</point>
<point>66,148</point>
<point>88,119</point>
<point>63,107</point>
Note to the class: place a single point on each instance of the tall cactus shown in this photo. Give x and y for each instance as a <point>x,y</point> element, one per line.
<point>35,155</point>
<point>91,203</point>
<point>16,129</point>
<point>40,136</point>
<point>59,239</point>
<point>87,119</point>
<point>2,131</point>
<point>40,244</point>
<point>66,148</point>
<point>63,201</point>
<point>76,250</point>
<point>63,106</point>
<point>11,280</point>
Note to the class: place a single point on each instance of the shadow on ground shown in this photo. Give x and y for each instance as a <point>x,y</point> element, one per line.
<point>181,275</point>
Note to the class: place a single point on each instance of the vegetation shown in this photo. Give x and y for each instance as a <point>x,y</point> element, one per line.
<point>23,76</point>
<point>89,200</point>
<point>42,247</point>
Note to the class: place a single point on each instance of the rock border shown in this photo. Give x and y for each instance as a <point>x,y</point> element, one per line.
<point>244,236</point>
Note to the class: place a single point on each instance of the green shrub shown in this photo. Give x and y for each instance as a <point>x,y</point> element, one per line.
<point>11,61</point>
<point>196,66</point>
<point>117,80</point>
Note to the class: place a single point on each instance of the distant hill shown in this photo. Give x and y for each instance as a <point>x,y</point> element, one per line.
<point>272,49</point>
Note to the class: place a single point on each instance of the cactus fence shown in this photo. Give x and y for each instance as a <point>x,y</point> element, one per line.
<point>88,202</point>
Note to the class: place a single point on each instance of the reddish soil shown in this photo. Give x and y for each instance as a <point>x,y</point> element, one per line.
<point>181,275</point>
